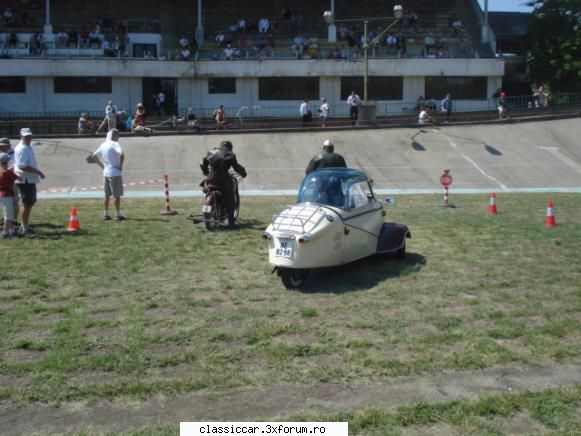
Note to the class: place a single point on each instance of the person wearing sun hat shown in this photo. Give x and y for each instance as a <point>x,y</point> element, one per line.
<point>27,168</point>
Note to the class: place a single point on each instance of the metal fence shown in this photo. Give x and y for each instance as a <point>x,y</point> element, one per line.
<point>246,117</point>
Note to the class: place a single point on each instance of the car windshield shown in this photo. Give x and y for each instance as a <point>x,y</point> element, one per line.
<point>329,186</point>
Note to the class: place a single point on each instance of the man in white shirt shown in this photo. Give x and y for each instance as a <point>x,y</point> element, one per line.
<point>110,157</point>
<point>26,166</point>
<point>263,25</point>
<point>324,112</point>
<point>354,101</point>
<point>306,115</point>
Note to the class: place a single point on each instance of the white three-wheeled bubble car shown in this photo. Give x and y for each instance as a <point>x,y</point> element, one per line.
<point>336,220</point>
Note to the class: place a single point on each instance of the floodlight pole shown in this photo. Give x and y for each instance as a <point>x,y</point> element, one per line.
<point>329,17</point>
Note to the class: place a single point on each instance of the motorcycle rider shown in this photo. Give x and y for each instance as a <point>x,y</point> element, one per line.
<point>326,159</point>
<point>215,166</point>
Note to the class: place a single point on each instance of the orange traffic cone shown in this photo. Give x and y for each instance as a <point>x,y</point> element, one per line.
<point>74,225</point>
<point>492,206</point>
<point>550,220</point>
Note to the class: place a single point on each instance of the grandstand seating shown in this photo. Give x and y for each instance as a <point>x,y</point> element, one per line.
<point>176,18</point>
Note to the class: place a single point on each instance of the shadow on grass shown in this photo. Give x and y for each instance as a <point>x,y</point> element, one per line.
<point>363,274</point>
<point>50,231</point>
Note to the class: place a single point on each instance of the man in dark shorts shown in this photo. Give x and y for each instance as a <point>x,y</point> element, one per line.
<point>30,175</point>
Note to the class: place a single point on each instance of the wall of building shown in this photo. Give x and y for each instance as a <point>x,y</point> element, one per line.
<point>192,80</point>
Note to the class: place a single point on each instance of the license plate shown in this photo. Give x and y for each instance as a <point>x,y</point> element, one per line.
<point>285,249</point>
<point>207,208</point>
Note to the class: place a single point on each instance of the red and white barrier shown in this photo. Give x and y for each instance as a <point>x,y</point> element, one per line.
<point>167,210</point>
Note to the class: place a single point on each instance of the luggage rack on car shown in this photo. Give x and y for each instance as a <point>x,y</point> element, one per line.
<point>303,215</point>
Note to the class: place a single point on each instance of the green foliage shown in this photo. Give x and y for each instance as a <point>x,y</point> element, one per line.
<point>555,44</point>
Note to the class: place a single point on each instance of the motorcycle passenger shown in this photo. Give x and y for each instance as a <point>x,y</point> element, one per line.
<point>215,165</point>
<point>326,159</point>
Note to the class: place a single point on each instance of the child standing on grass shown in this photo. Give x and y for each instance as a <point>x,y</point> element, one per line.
<point>7,179</point>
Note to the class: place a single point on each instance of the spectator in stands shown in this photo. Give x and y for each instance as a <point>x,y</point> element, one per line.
<point>95,38</point>
<point>184,54</point>
<point>287,14</point>
<point>85,125</point>
<point>429,43</point>
<point>335,53</point>
<point>98,25</point>
<point>391,42</point>
<point>228,53</point>
<point>446,107</point>
<point>263,25</point>
<point>413,20</point>
<point>62,38</point>
<point>191,121</point>
<point>323,112</point>
<point>220,118</point>
<point>401,45</point>
<point>8,16</point>
<point>456,27</point>
<point>84,38</point>
<point>73,39</point>
<point>306,114</point>
<point>220,36</point>
<point>24,20</point>
<point>12,40</point>
<point>242,25</point>
<point>138,123</point>
<point>298,46</point>
<point>354,101</point>
<point>184,42</point>
<point>313,49</point>
<point>342,31</point>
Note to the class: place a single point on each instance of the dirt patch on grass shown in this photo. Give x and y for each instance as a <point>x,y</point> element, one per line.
<point>285,400</point>
<point>9,381</point>
<point>440,429</point>
<point>38,333</point>
<point>24,356</point>
<point>520,423</point>
<point>94,378</point>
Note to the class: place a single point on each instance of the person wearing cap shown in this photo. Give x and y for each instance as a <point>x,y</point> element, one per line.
<point>109,156</point>
<point>26,166</point>
<point>326,159</point>
<point>7,179</point>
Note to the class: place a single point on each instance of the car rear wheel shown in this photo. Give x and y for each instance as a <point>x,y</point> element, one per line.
<point>293,278</point>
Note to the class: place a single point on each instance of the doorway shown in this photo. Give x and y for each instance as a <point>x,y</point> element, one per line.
<point>151,96</point>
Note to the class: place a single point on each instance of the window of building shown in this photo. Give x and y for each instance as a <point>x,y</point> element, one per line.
<point>12,85</point>
<point>288,88</point>
<point>224,85</point>
<point>83,85</point>
<point>378,88</point>
<point>461,88</point>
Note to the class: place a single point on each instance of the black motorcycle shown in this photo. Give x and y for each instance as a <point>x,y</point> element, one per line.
<point>212,207</point>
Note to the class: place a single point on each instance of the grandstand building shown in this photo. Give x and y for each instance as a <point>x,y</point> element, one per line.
<point>61,59</point>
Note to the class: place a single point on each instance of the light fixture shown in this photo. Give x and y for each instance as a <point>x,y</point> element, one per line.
<point>328,17</point>
<point>398,11</point>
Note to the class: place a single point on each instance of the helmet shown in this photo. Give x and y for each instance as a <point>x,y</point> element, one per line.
<point>328,143</point>
<point>226,144</point>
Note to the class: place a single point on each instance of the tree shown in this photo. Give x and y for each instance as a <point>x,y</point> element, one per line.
<point>554,43</point>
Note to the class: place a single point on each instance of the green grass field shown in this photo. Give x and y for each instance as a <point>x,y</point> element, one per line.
<point>158,306</point>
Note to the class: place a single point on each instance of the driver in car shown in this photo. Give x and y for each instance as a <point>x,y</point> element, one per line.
<point>326,159</point>
<point>215,166</point>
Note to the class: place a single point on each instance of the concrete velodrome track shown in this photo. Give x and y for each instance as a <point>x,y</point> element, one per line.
<point>516,157</point>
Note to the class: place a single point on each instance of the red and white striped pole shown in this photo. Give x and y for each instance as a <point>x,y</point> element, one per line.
<point>167,209</point>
